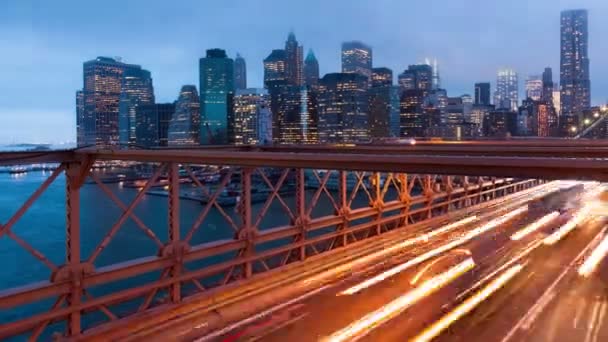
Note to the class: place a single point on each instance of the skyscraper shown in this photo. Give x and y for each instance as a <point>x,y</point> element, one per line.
<point>152,124</point>
<point>216,92</point>
<point>311,69</point>
<point>240,73</point>
<point>413,122</point>
<point>534,87</point>
<point>357,58</point>
<point>293,61</point>
<point>482,94</point>
<point>136,89</point>
<point>506,95</point>
<point>80,118</point>
<point>185,125</point>
<point>274,67</point>
<point>417,77</point>
<point>103,82</point>
<point>252,124</point>
<point>382,77</point>
<point>574,62</point>
<point>343,108</point>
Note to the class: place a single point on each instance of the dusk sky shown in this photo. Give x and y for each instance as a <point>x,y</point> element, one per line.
<point>44,43</point>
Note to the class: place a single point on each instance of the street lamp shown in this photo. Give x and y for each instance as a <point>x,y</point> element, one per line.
<point>596,115</point>
<point>587,121</point>
<point>573,129</point>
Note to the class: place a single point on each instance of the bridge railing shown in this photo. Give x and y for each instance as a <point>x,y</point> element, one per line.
<point>142,234</point>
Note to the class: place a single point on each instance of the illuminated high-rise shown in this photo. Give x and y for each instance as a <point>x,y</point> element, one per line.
<point>185,125</point>
<point>506,95</point>
<point>382,77</point>
<point>574,62</point>
<point>274,67</point>
<point>136,89</point>
<point>548,86</point>
<point>357,58</point>
<point>294,64</point>
<point>534,87</point>
<point>216,92</point>
<point>252,125</point>
<point>311,70</point>
<point>417,77</point>
<point>343,108</point>
<point>103,84</point>
<point>240,72</point>
<point>152,124</point>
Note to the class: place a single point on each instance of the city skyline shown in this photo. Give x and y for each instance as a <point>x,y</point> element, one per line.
<point>173,62</point>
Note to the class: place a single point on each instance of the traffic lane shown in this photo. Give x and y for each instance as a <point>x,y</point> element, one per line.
<point>324,320</point>
<point>497,317</point>
<point>456,234</point>
<point>490,252</point>
<point>579,312</point>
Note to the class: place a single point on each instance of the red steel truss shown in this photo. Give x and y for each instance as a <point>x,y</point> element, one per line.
<point>392,201</point>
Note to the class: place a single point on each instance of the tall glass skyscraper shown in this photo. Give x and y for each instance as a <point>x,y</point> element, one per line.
<point>506,95</point>
<point>574,62</point>
<point>294,61</point>
<point>417,77</point>
<point>216,92</point>
<point>240,72</point>
<point>343,108</point>
<point>185,125</point>
<point>103,85</point>
<point>274,67</point>
<point>136,89</point>
<point>311,69</point>
<point>534,87</point>
<point>482,93</point>
<point>547,95</point>
<point>357,58</point>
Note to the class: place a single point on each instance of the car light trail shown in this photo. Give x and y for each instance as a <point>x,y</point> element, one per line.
<point>594,259</point>
<point>387,251</point>
<point>433,253</point>
<point>531,247</point>
<point>420,273</point>
<point>468,305</point>
<point>374,319</point>
<point>580,217</point>
<point>535,226</point>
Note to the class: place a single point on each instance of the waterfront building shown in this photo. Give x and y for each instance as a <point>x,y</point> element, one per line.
<point>152,124</point>
<point>216,92</point>
<point>102,88</point>
<point>136,89</point>
<point>574,62</point>
<point>185,125</point>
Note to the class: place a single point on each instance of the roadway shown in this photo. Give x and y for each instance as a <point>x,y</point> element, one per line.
<point>537,304</point>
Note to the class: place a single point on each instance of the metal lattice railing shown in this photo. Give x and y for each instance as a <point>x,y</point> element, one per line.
<point>310,211</point>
